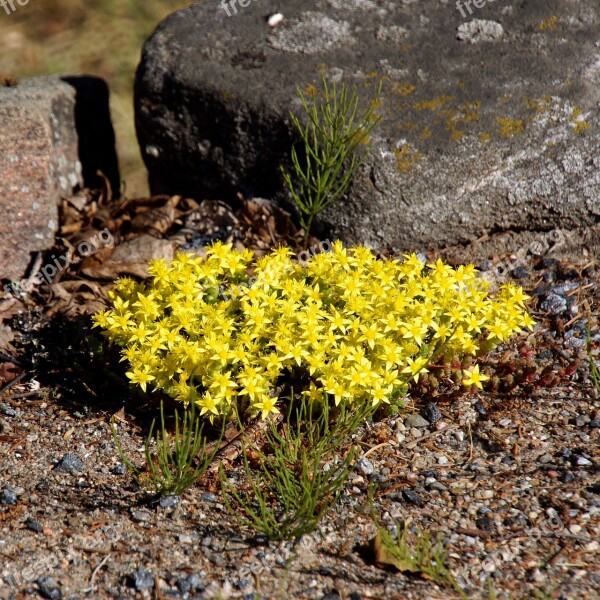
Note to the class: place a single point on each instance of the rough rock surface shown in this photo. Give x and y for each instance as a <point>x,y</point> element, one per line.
<point>39,163</point>
<point>486,131</point>
<point>55,135</point>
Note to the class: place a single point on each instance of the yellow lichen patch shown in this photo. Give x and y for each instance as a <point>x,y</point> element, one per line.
<point>540,105</point>
<point>471,111</point>
<point>408,126</point>
<point>402,89</point>
<point>426,133</point>
<point>577,121</point>
<point>509,127</point>
<point>406,157</point>
<point>460,85</point>
<point>456,134</point>
<point>485,137</point>
<point>548,24</point>
<point>434,103</point>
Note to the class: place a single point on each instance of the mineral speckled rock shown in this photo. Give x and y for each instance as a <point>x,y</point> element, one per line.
<point>39,162</point>
<point>492,135</point>
<point>55,134</point>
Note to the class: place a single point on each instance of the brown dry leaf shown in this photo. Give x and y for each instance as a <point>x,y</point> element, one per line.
<point>8,371</point>
<point>156,221</point>
<point>130,258</point>
<point>384,559</point>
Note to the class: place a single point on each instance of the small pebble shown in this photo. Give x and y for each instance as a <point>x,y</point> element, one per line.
<point>119,469</point>
<point>141,516</point>
<point>567,477</point>
<point>581,461</point>
<point>554,304</point>
<point>209,497</point>
<point>575,529</point>
<point>169,501</point>
<point>416,421</point>
<point>411,497</point>
<point>69,463</point>
<point>49,589</point>
<point>275,19</point>
<point>143,579</point>
<point>443,461</point>
<point>8,412</point>
<point>432,413</point>
<point>34,525</point>
<point>365,466</point>
<point>8,496</point>
<point>545,458</point>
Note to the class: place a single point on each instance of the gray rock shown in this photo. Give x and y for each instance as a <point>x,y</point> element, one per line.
<point>496,137</point>
<point>8,496</point>
<point>69,463</point>
<point>141,516</point>
<point>554,304</point>
<point>209,497</point>
<point>143,579</point>
<point>169,501</point>
<point>49,588</point>
<point>416,421</point>
<point>365,466</point>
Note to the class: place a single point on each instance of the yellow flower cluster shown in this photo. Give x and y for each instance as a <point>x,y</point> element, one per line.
<point>345,325</point>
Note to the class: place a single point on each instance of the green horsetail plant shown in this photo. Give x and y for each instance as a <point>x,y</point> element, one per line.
<point>290,491</point>
<point>176,462</point>
<point>322,173</point>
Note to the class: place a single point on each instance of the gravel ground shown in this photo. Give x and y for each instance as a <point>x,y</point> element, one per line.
<point>510,480</point>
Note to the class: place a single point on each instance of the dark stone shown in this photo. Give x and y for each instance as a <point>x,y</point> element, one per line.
<point>8,412</point>
<point>484,522</point>
<point>69,463</point>
<point>567,477</point>
<point>520,273</point>
<point>8,496</point>
<point>209,497</point>
<point>481,410</point>
<point>431,412</point>
<point>411,497</point>
<point>48,588</point>
<point>34,525</point>
<point>119,469</point>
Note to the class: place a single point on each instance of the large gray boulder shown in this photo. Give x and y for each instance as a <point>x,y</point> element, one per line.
<point>489,120</point>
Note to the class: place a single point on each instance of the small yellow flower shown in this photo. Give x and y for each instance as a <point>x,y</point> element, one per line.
<point>474,377</point>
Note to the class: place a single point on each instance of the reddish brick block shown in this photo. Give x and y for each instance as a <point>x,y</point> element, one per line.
<point>39,164</point>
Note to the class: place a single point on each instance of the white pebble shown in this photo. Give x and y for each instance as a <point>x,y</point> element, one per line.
<point>275,19</point>
<point>442,460</point>
<point>575,529</point>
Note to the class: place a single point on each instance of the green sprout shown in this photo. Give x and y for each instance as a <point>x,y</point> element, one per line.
<point>290,491</point>
<point>324,170</point>
<point>178,461</point>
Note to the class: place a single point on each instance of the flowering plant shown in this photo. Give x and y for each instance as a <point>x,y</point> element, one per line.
<point>343,326</point>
